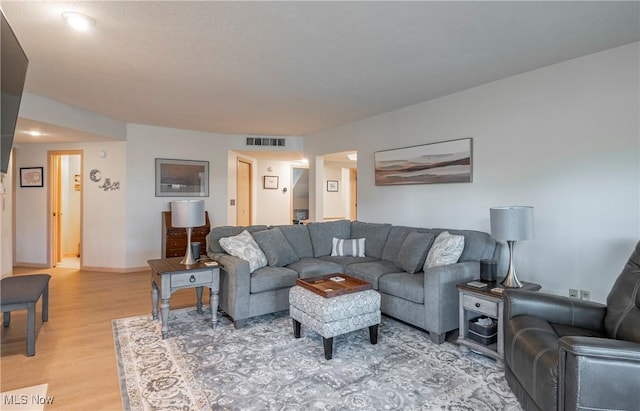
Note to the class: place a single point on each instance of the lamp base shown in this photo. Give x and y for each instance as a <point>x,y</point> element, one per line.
<point>511,280</point>
<point>188,256</point>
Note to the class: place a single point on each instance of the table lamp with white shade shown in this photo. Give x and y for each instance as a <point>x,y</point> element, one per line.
<point>187,214</point>
<point>511,224</point>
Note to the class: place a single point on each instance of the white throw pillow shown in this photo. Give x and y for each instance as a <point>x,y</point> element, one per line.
<point>446,249</point>
<point>347,248</point>
<point>244,246</point>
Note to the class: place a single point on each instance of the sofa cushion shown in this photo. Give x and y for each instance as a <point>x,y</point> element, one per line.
<point>446,249</point>
<point>345,261</point>
<point>413,252</point>
<point>309,267</point>
<point>395,239</point>
<point>404,285</point>
<point>371,271</point>
<point>216,233</point>
<point>322,233</point>
<point>272,278</point>
<point>298,237</point>
<point>275,247</point>
<point>478,245</point>
<point>375,234</point>
<point>353,247</point>
<point>245,247</point>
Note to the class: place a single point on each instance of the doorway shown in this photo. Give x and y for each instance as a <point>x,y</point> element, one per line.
<point>299,195</point>
<point>65,208</point>
<point>243,196</point>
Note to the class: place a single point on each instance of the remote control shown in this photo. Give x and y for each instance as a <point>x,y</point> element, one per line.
<point>476,284</point>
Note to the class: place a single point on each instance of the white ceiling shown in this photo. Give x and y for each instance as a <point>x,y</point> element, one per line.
<point>295,68</point>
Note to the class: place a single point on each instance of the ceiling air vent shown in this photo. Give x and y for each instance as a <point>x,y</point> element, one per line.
<point>265,141</point>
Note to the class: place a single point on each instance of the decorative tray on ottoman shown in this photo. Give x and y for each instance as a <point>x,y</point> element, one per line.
<point>332,285</point>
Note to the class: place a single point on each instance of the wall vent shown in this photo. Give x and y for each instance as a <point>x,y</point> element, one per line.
<point>266,141</point>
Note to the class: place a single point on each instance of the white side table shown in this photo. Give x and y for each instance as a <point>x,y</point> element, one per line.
<point>475,302</point>
<point>168,275</point>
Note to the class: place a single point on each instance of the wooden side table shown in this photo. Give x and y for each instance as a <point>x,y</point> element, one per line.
<point>168,275</point>
<point>476,302</point>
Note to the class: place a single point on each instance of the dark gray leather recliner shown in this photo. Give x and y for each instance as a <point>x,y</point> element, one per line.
<point>562,353</point>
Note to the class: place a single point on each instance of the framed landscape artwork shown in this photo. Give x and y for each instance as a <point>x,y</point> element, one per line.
<point>182,178</point>
<point>436,163</point>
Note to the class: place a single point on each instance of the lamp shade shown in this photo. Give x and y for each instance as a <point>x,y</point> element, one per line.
<point>513,223</point>
<point>187,213</point>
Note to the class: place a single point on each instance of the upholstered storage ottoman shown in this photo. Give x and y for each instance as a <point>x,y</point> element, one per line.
<point>334,316</point>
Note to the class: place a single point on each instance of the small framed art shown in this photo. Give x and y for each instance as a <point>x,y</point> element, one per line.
<point>31,176</point>
<point>270,182</point>
<point>332,185</point>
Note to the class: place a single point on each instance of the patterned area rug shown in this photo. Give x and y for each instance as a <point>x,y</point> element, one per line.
<point>263,367</point>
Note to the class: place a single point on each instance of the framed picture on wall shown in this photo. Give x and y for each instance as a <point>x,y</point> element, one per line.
<point>31,176</point>
<point>332,185</point>
<point>270,182</point>
<point>182,178</point>
<point>435,163</point>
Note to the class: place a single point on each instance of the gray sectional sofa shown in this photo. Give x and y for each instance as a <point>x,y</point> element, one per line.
<point>392,264</point>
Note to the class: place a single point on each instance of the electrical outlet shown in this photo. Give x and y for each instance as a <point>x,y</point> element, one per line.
<point>573,293</point>
<point>585,294</point>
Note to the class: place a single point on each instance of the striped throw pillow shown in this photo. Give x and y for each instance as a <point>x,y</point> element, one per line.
<point>347,248</point>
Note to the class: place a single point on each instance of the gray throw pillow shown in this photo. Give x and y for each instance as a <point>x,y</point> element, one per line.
<point>414,251</point>
<point>244,246</point>
<point>276,247</point>
<point>446,250</point>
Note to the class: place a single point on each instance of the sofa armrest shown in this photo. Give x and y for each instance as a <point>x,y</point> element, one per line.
<point>598,373</point>
<point>235,285</point>
<point>554,309</point>
<point>441,295</point>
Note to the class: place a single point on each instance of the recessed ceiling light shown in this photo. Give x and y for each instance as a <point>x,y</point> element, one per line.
<point>78,21</point>
<point>34,133</point>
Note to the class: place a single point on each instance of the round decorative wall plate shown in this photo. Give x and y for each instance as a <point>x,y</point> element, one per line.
<point>95,175</point>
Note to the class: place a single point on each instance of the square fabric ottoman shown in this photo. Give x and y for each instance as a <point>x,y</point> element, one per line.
<point>334,315</point>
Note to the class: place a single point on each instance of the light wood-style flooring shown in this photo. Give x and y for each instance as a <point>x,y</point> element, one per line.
<point>75,352</point>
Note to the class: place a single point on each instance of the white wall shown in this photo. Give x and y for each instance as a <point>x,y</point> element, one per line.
<point>95,126</point>
<point>103,230</point>
<point>144,145</point>
<point>564,139</point>
<point>273,207</point>
<point>6,221</point>
<point>122,229</point>
<point>333,200</point>
<point>144,209</point>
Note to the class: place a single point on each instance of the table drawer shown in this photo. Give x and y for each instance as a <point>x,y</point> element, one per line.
<point>480,305</point>
<point>191,279</point>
